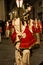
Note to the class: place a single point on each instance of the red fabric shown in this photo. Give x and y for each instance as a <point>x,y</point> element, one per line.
<point>38,29</point>
<point>8,28</point>
<point>33,29</point>
<point>13,36</point>
<point>12,26</point>
<point>42,26</point>
<point>28,40</point>
<point>0,30</point>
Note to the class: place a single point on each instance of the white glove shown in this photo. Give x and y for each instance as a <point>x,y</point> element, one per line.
<point>19,34</point>
<point>24,35</point>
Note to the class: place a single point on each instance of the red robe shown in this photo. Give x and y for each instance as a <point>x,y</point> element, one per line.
<point>33,29</point>
<point>28,41</point>
<point>7,28</point>
<point>12,26</point>
<point>38,29</point>
<point>0,30</point>
<point>42,26</point>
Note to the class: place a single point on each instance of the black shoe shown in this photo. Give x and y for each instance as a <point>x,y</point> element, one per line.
<point>7,38</point>
<point>41,63</point>
<point>36,46</point>
<point>31,51</point>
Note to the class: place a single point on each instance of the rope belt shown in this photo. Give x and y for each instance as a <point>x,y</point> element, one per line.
<point>20,51</point>
<point>16,43</point>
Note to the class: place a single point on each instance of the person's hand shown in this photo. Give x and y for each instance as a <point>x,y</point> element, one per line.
<point>19,35</point>
<point>24,35</point>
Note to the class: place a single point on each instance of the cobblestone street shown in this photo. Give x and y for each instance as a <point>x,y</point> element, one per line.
<point>7,53</point>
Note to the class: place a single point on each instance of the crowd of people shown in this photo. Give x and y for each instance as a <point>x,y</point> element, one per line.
<point>24,35</point>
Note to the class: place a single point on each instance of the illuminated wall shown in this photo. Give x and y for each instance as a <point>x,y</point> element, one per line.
<point>2,10</point>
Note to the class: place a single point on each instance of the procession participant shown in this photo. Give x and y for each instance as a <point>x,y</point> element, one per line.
<point>10,26</point>
<point>16,40</point>
<point>40,25</point>
<point>0,33</point>
<point>32,28</point>
<point>26,41</point>
<point>37,33</point>
<point>13,25</point>
<point>7,29</point>
<point>31,25</point>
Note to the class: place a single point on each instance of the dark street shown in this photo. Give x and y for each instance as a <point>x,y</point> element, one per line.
<point>7,53</point>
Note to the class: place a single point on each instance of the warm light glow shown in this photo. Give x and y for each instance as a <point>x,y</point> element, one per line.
<point>19,3</point>
<point>23,7</point>
<point>10,13</point>
<point>29,8</point>
<point>26,10</point>
<point>13,12</point>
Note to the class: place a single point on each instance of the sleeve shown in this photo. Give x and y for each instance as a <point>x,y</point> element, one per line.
<point>13,36</point>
